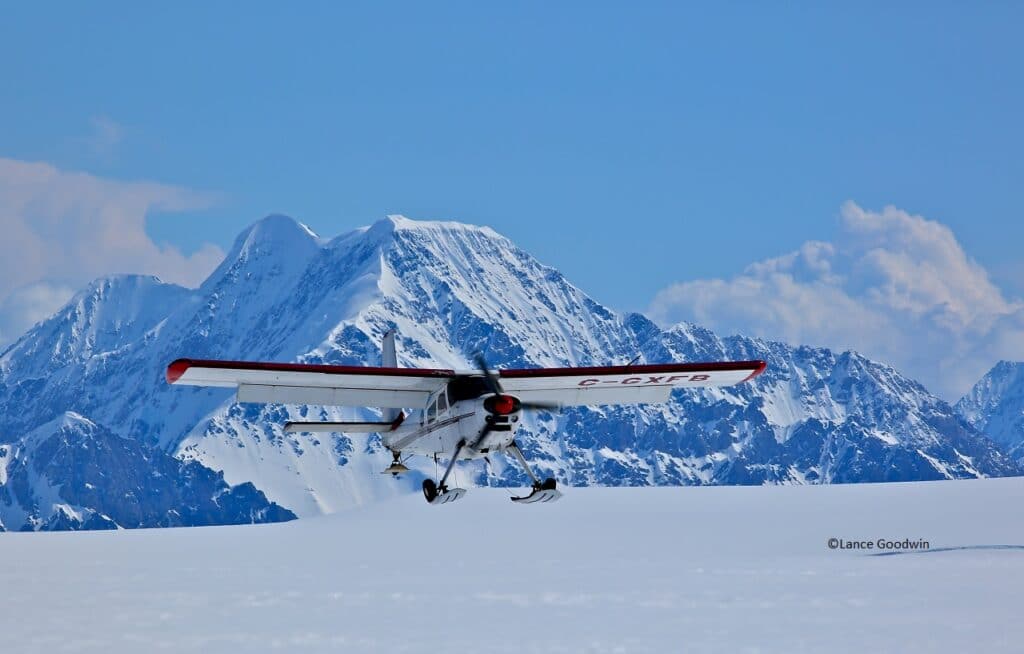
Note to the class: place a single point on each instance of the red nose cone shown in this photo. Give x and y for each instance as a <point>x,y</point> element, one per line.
<point>503,405</point>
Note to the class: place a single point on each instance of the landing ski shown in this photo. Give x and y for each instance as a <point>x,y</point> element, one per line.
<point>539,495</point>
<point>448,496</point>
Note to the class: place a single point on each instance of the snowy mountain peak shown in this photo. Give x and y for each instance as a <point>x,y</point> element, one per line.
<point>1004,379</point>
<point>270,242</point>
<point>995,406</point>
<point>400,222</point>
<point>108,313</point>
<point>275,229</point>
<point>267,257</point>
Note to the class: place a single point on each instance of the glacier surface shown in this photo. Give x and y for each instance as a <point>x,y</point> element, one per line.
<point>699,569</point>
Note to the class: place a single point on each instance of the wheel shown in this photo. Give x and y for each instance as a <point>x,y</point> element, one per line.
<point>429,489</point>
<point>548,484</point>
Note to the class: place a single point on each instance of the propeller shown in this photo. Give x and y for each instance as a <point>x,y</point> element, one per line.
<point>494,386</point>
<point>543,406</point>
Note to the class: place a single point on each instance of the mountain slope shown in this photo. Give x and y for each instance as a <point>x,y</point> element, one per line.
<point>995,406</point>
<point>283,293</point>
<point>73,474</point>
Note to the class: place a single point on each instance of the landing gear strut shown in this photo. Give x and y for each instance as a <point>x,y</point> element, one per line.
<point>440,493</point>
<point>543,491</point>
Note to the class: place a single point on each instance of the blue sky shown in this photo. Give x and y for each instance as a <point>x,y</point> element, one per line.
<point>631,145</point>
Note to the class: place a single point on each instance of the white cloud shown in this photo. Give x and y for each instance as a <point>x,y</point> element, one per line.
<point>894,286</point>
<point>60,230</point>
<point>28,305</point>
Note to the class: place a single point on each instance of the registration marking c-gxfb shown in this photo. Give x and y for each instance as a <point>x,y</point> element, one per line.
<point>629,381</point>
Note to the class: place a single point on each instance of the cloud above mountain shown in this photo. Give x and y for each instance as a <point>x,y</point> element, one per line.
<point>892,285</point>
<point>62,229</point>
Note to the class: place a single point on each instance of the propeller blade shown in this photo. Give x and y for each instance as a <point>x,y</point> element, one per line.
<point>493,384</point>
<point>543,406</point>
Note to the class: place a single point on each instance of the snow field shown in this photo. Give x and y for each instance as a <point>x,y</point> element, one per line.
<point>707,569</point>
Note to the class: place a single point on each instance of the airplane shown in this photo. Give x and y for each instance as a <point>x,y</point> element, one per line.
<point>465,414</point>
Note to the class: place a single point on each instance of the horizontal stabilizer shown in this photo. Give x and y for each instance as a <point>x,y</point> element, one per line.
<point>340,427</point>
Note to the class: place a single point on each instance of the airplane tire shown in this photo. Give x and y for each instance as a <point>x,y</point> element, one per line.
<point>429,490</point>
<point>548,484</point>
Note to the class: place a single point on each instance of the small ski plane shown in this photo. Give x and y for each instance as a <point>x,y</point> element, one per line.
<point>465,414</point>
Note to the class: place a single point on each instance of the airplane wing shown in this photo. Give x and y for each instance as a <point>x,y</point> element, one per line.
<point>622,384</point>
<point>301,383</point>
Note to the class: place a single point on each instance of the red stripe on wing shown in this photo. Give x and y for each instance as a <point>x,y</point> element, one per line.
<point>756,367</point>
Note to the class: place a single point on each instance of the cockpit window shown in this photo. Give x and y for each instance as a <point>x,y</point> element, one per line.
<point>442,403</point>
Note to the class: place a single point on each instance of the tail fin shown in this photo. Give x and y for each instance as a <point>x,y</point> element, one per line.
<point>389,359</point>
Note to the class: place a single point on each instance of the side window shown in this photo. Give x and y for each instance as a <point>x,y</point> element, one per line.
<point>432,409</point>
<point>442,402</point>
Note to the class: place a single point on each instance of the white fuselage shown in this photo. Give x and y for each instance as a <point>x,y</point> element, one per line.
<point>439,428</point>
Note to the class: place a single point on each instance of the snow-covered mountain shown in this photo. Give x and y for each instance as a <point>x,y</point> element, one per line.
<point>450,289</point>
<point>995,406</point>
<point>74,474</point>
